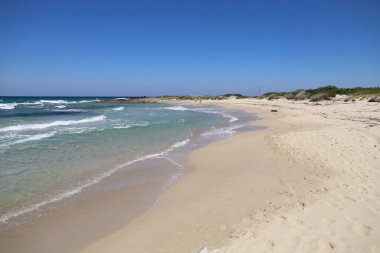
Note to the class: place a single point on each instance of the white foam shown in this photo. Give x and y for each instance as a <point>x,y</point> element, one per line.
<point>51,124</point>
<point>81,130</point>
<point>56,101</point>
<point>181,108</point>
<point>180,144</point>
<point>176,108</point>
<point>131,125</point>
<point>30,103</point>
<point>225,115</point>
<point>89,129</point>
<point>71,110</point>
<point>8,106</point>
<point>60,106</point>
<point>118,108</point>
<point>67,102</point>
<point>123,127</point>
<point>221,131</point>
<point>88,101</point>
<point>7,216</point>
<point>32,138</point>
<point>232,118</point>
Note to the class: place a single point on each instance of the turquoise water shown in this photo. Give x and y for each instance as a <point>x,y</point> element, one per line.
<point>53,148</point>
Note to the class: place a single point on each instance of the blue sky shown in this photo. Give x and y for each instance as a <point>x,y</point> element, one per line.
<point>186,47</point>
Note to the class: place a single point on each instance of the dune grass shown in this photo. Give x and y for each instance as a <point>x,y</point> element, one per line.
<point>332,91</point>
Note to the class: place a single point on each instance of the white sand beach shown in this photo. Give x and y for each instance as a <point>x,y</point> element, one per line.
<point>190,126</point>
<point>306,183</point>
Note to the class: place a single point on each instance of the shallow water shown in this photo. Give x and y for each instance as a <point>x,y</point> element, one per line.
<point>54,148</point>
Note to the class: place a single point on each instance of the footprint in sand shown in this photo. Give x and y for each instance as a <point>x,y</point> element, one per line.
<point>361,229</point>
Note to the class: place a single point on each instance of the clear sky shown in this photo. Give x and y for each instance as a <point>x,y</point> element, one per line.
<point>160,47</point>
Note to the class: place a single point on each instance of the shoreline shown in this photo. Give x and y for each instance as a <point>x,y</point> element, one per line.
<point>306,181</point>
<point>92,179</point>
<point>83,218</point>
<point>184,193</point>
<point>246,188</point>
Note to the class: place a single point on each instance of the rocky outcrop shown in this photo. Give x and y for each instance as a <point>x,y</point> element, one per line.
<point>319,97</point>
<point>302,95</point>
<point>290,96</point>
<point>374,99</point>
<point>273,96</point>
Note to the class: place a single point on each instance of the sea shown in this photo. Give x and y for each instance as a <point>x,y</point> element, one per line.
<point>53,148</point>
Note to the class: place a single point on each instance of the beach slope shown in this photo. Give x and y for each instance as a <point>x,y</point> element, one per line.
<point>306,183</point>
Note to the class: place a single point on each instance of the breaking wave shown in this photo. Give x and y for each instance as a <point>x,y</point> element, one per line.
<point>51,124</point>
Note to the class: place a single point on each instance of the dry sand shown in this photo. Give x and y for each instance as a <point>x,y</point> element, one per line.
<point>307,183</point>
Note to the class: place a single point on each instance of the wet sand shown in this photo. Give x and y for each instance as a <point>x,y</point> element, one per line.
<point>71,224</point>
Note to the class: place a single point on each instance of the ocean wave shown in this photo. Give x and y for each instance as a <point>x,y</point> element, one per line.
<point>124,126</point>
<point>223,114</point>
<point>56,102</point>
<point>51,124</point>
<point>31,138</point>
<point>179,144</point>
<point>133,125</point>
<point>7,216</point>
<point>221,131</point>
<point>60,101</point>
<point>8,106</point>
<point>177,108</point>
<point>181,108</point>
<point>88,101</point>
<point>81,130</point>
<point>118,108</point>
<point>71,110</point>
<point>31,103</point>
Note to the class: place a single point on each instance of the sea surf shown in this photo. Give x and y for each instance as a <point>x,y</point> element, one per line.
<point>54,148</point>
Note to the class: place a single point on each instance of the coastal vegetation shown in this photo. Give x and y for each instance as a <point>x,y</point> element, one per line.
<point>324,92</point>
<point>317,94</point>
<point>330,91</point>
